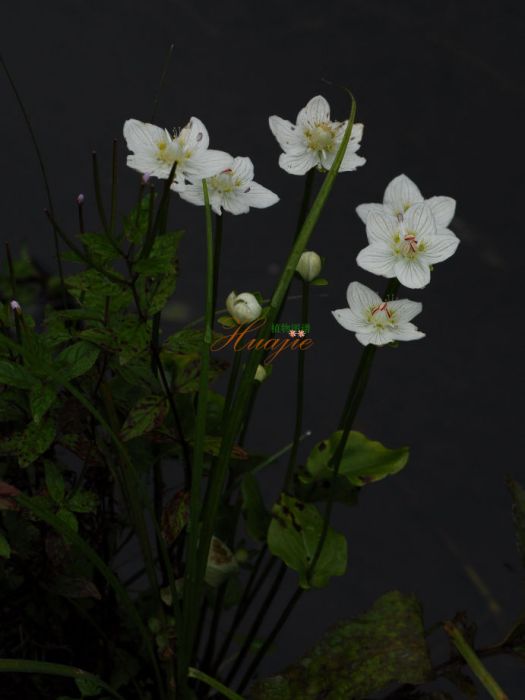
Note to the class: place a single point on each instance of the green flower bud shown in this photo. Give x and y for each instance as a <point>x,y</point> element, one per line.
<point>221,563</point>
<point>244,308</point>
<point>309,265</point>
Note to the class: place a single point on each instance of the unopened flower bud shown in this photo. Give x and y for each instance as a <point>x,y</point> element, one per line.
<point>260,374</point>
<point>15,306</point>
<point>221,563</point>
<point>80,199</point>
<point>309,265</point>
<point>145,178</point>
<point>244,308</point>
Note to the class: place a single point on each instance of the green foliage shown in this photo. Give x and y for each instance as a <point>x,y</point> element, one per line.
<point>147,414</point>
<point>32,442</point>
<point>5,548</point>
<point>293,536</point>
<point>360,657</point>
<point>518,512</point>
<point>363,462</point>
<point>255,513</point>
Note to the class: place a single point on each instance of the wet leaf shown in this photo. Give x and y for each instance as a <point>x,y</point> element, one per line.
<point>147,414</point>
<point>293,536</point>
<point>360,657</point>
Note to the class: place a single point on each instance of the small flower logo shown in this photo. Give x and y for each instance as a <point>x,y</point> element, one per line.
<point>301,334</point>
<point>292,333</point>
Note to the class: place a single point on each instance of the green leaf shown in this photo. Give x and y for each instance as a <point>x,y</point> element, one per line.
<point>175,516</point>
<point>99,247</point>
<point>359,658</point>
<point>319,282</point>
<point>518,513</point>
<point>89,687</point>
<point>147,414</point>
<point>15,375</point>
<point>68,518</point>
<point>5,549</point>
<point>293,536</point>
<point>133,337</point>
<point>55,482</point>
<point>36,439</point>
<point>136,223</point>
<point>255,513</point>
<point>77,359</point>
<point>83,502</point>
<point>41,398</point>
<point>162,257</point>
<point>364,461</point>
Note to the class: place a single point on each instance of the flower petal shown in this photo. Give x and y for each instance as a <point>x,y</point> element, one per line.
<point>401,193</point>
<point>297,164</point>
<point>242,169</point>
<point>235,204</point>
<point>406,331</point>
<point>377,258</point>
<point>148,164</point>
<point>258,196</point>
<point>192,194</point>
<point>350,161</point>
<point>207,163</point>
<point>287,135</point>
<point>381,227</point>
<point>195,135</point>
<point>317,111</point>
<point>142,137</point>
<point>420,220</point>
<point>361,298</point>
<point>377,336</point>
<point>348,320</point>
<point>405,309</point>
<point>363,210</point>
<point>443,209</point>
<point>412,272</point>
<point>440,247</point>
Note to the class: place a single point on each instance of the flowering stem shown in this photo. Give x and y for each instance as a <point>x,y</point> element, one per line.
<point>114,188</point>
<point>98,192</point>
<point>40,159</point>
<point>216,258</point>
<point>474,663</point>
<point>270,639</point>
<point>299,403</point>
<point>190,595</point>
<point>218,476</point>
<point>213,683</point>
<point>256,624</point>
<point>305,202</point>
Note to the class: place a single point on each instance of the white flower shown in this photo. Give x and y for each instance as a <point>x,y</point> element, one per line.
<point>309,265</point>
<point>313,141</point>
<point>244,308</point>
<point>405,247</point>
<point>375,321</point>
<point>221,563</point>
<point>401,193</point>
<point>155,151</point>
<point>233,190</point>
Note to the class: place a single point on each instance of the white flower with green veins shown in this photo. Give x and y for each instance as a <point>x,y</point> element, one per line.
<point>232,190</point>
<point>314,140</point>
<point>155,151</point>
<point>378,322</point>
<point>405,246</point>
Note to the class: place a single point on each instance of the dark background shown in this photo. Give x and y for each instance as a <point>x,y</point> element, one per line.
<point>439,89</point>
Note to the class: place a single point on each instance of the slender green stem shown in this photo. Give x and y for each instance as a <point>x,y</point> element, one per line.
<point>80,207</point>
<point>263,650</point>
<point>474,663</point>
<point>161,82</point>
<point>232,381</point>
<point>249,412</point>
<point>214,626</point>
<point>50,669</point>
<point>253,586</point>
<point>305,202</point>
<point>191,600</point>
<point>43,171</point>
<point>98,192</point>
<point>216,258</point>
<point>114,188</point>
<point>299,401</point>
<point>256,624</point>
<point>213,683</point>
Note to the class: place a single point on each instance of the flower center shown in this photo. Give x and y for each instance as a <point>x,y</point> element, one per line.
<point>406,242</point>
<point>321,137</point>
<point>224,182</point>
<point>381,316</point>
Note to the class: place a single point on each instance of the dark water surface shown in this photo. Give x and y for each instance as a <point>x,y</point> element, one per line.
<point>440,91</point>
